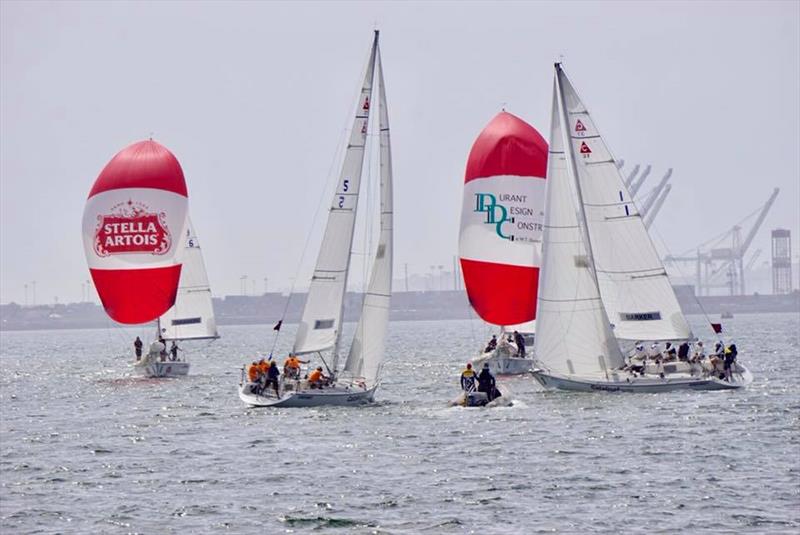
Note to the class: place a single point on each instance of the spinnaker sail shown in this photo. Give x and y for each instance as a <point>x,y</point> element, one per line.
<point>133,222</point>
<point>501,220</point>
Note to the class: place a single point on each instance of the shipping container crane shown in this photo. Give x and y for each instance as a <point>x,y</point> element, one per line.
<point>711,259</point>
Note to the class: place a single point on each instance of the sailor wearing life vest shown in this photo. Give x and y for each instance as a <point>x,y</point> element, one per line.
<point>468,377</point>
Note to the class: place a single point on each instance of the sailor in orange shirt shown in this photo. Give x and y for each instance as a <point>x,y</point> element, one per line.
<point>291,366</point>
<point>316,379</point>
<point>252,372</point>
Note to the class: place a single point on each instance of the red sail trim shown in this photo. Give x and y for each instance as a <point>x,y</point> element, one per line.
<point>137,295</point>
<point>507,146</point>
<point>501,294</point>
<point>146,164</point>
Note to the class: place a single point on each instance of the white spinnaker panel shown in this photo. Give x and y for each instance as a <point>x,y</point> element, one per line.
<point>369,343</point>
<point>192,316</point>
<point>636,290</point>
<point>319,327</point>
<point>572,329</point>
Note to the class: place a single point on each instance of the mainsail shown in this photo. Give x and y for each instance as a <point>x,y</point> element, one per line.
<point>501,220</point>
<point>320,326</point>
<point>366,352</point>
<point>573,334</point>
<point>192,316</point>
<point>636,290</point>
<point>133,222</point>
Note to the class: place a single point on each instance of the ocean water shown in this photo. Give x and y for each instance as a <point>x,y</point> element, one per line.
<point>86,447</point>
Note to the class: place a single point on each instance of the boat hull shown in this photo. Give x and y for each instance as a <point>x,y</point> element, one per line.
<point>641,384</point>
<point>310,398</point>
<point>164,369</point>
<point>504,364</point>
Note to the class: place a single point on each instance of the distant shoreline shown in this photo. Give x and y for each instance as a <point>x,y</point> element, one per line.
<point>267,309</point>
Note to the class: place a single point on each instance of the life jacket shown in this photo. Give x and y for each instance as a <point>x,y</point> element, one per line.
<point>263,367</point>
<point>291,362</point>
<point>468,373</point>
<point>315,376</point>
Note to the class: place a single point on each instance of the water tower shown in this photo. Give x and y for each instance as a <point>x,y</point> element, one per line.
<point>781,261</point>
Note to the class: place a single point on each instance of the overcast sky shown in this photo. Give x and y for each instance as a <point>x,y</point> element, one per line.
<point>253,98</point>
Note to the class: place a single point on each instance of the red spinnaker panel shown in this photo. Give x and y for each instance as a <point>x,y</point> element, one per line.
<point>501,220</point>
<point>507,146</point>
<point>152,290</point>
<point>133,226</point>
<point>502,293</point>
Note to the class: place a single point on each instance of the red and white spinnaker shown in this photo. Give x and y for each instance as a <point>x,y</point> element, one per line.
<point>133,227</point>
<point>501,220</point>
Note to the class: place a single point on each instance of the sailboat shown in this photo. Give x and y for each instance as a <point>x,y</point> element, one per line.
<point>603,284</point>
<point>132,223</point>
<point>320,331</point>
<point>500,238</point>
<point>190,318</point>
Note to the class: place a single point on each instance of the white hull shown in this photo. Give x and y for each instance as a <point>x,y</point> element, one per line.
<point>337,396</point>
<point>501,364</point>
<point>164,369</point>
<point>648,384</point>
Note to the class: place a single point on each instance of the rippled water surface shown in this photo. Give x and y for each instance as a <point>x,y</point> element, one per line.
<point>88,448</point>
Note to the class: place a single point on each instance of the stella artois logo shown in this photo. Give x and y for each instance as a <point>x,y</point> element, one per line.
<point>132,228</point>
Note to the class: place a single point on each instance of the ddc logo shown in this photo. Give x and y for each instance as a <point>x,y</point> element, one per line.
<point>496,213</point>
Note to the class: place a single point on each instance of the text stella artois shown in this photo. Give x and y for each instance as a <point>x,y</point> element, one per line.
<point>131,228</point>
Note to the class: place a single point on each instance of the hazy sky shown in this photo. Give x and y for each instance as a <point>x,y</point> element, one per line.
<point>253,98</point>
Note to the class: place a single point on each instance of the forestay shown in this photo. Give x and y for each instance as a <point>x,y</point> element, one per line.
<point>636,291</point>
<point>192,316</point>
<point>366,352</point>
<point>319,327</point>
<point>573,335</point>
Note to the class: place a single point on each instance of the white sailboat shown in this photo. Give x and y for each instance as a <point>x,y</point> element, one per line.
<point>320,329</point>
<point>603,285</point>
<point>190,318</point>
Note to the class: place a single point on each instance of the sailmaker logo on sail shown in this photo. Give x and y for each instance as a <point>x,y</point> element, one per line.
<point>131,228</point>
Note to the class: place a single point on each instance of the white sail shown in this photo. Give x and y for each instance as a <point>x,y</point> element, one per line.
<point>192,316</point>
<point>573,335</point>
<point>320,326</point>
<point>366,352</point>
<point>633,282</point>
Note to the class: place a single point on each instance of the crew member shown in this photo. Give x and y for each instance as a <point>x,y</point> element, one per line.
<point>486,383</point>
<point>173,351</point>
<point>291,366</point>
<point>730,358</point>
<point>468,377</point>
<point>683,351</point>
<point>520,341</point>
<point>316,379</point>
<point>273,374</point>
<point>137,347</point>
<point>492,345</point>
<point>253,372</point>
